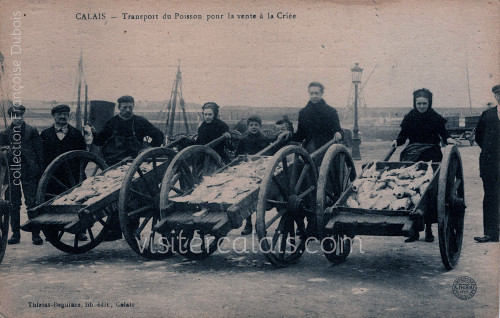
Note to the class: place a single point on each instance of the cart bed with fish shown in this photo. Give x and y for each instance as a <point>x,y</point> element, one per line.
<point>90,193</point>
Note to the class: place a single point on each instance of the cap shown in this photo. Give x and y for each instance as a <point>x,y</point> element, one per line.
<point>496,89</point>
<point>60,109</point>
<point>16,109</point>
<point>125,99</point>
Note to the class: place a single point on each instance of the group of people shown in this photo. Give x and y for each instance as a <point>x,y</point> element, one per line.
<point>123,135</point>
<point>33,152</point>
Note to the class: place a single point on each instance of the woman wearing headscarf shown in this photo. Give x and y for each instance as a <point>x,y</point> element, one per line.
<point>425,129</point>
<point>212,128</point>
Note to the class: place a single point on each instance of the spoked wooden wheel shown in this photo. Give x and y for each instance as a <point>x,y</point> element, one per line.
<point>63,173</point>
<point>286,206</point>
<point>4,204</point>
<point>184,172</point>
<point>66,171</point>
<point>451,207</point>
<point>139,204</point>
<point>336,173</point>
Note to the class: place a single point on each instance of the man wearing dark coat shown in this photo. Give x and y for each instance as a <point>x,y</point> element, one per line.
<point>123,136</point>
<point>25,162</point>
<point>56,140</point>
<point>318,122</point>
<point>124,133</point>
<point>488,139</point>
<point>60,137</point>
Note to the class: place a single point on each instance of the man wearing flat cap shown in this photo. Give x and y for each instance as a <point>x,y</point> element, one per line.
<point>60,138</point>
<point>24,147</point>
<point>488,139</point>
<point>123,136</point>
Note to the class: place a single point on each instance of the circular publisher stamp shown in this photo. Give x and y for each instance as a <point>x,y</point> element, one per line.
<point>464,287</point>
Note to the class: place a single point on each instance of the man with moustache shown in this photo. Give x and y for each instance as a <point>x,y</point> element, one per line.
<point>124,133</point>
<point>60,138</point>
<point>123,136</point>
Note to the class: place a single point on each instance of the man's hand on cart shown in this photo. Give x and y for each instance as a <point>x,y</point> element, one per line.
<point>88,134</point>
<point>284,136</point>
<point>227,135</point>
<point>5,149</point>
<point>337,137</point>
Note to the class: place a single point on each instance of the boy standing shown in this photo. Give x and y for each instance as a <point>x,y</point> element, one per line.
<point>252,142</point>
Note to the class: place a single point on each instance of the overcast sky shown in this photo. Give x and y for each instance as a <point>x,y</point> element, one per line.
<point>408,44</point>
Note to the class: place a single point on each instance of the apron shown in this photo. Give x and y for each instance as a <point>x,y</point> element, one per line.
<point>118,148</point>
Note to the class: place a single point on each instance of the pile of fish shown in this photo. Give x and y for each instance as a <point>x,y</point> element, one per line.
<point>390,189</point>
<point>94,189</point>
<point>230,185</point>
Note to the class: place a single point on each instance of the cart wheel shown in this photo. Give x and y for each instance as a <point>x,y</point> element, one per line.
<point>336,247</point>
<point>336,173</point>
<point>63,173</point>
<point>286,205</point>
<point>184,172</point>
<point>139,204</point>
<point>451,207</point>
<point>4,204</point>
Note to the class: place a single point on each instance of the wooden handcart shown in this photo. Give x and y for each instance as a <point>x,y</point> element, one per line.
<point>444,194</point>
<point>281,188</point>
<point>63,220</point>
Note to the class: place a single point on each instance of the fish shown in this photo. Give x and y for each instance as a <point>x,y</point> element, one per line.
<point>400,204</point>
<point>415,199</point>
<point>351,202</point>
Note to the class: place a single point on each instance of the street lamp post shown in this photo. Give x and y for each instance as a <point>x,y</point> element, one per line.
<point>356,141</point>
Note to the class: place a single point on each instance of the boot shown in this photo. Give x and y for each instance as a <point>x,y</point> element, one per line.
<point>15,238</point>
<point>248,227</point>
<point>36,239</point>
<point>414,235</point>
<point>15,224</point>
<point>428,233</point>
<point>115,232</point>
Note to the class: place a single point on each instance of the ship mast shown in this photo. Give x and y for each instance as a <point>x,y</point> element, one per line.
<point>175,95</point>
<point>78,114</point>
<point>3,92</point>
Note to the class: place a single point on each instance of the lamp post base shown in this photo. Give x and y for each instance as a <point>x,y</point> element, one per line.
<point>356,155</point>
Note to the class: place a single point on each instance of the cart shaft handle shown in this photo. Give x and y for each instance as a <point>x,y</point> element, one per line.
<point>389,153</point>
<point>175,142</point>
<point>215,142</point>
<point>278,142</point>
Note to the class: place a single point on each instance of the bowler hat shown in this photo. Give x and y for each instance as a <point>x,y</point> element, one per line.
<point>60,109</point>
<point>16,109</point>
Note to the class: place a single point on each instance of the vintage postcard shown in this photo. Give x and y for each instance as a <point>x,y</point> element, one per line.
<point>249,158</point>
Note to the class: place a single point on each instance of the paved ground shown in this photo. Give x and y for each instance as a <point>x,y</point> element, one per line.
<point>390,279</point>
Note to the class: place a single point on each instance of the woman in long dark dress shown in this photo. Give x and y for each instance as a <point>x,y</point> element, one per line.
<point>212,128</point>
<point>425,129</point>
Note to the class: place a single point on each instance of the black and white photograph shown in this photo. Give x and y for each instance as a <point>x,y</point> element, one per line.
<point>230,158</point>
